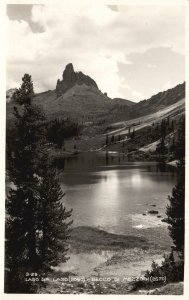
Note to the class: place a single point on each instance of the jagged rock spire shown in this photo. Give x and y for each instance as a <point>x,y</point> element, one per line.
<point>70,78</point>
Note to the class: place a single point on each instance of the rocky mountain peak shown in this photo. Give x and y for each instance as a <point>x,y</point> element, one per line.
<point>69,74</point>
<point>70,78</point>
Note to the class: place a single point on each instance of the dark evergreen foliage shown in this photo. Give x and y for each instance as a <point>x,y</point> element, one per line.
<point>59,130</point>
<point>36,227</point>
<point>24,94</point>
<point>180,141</point>
<point>107,139</point>
<point>176,209</point>
<point>161,148</point>
<point>53,227</point>
<point>170,270</point>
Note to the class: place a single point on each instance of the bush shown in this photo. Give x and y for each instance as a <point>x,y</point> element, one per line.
<point>171,269</point>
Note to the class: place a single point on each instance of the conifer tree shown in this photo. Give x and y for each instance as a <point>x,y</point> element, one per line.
<point>175,210</point>
<point>107,139</point>
<point>21,200</point>
<point>53,225</point>
<point>36,227</point>
<point>24,94</point>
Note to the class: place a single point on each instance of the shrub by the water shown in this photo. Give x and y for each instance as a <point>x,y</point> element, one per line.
<point>171,270</point>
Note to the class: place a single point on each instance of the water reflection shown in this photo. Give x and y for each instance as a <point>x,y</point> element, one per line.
<point>108,195</point>
<point>136,179</point>
<point>94,160</point>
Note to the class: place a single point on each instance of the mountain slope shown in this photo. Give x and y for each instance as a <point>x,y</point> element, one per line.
<point>77,96</point>
<point>161,100</point>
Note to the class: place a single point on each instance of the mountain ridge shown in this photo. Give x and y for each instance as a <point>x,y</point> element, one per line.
<point>77,96</point>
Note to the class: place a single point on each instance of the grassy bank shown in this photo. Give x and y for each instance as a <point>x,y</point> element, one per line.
<point>84,238</point>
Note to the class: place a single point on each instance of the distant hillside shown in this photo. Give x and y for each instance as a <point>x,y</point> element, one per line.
<point>124,101</point>
<point>161,100</point>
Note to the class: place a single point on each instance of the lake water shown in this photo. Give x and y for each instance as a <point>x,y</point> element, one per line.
<point>108,192</point>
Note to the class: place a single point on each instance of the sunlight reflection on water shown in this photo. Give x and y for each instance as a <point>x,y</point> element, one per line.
<point>116,198</point>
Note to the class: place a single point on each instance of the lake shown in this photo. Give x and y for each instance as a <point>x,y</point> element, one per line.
<point>110,193</point>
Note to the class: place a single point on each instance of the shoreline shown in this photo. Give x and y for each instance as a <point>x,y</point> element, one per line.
<point>108,266</point>
<point>60,154</point>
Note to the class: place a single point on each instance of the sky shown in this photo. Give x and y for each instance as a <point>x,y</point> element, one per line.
<point>131,51</point>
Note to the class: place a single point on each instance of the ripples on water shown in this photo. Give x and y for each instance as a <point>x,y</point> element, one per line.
<point>115,196</point>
